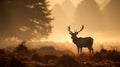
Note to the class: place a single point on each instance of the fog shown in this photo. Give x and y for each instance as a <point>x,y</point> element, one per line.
<point>100,18</point>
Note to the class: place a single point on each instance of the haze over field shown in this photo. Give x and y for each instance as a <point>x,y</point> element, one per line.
<point>100,18</point>
<point>95,15</point>
<point>101,3</point>
<point>59,33</point>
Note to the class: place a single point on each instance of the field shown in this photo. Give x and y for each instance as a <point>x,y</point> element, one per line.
<point>22,57</point>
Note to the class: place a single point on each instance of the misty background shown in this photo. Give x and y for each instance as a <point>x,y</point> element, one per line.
<point>100,18</point>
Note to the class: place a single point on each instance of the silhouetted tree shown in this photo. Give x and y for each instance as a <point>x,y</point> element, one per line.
<point>25,19</point>
<point>88,14</point>
<point>68,5</point>
<point>60,17</point>
<point>112,16</point>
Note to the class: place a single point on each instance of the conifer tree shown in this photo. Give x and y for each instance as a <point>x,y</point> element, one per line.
<point>25,19</point>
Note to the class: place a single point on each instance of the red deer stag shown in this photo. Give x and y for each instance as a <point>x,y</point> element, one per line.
<point>81,42</point>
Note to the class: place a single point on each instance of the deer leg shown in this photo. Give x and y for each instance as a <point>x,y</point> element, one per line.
<point>89,50</point>
<point>81,50</point>
<point>78,50</point>
<point>92,50</point>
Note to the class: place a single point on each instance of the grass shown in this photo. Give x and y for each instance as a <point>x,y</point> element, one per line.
<point>22,57</point>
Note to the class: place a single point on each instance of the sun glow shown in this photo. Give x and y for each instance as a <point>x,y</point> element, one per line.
<point>60,34</point>
<point>101,3</point>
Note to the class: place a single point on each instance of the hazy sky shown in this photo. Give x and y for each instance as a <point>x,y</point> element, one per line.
<point>66,37</point>
<point>102,3</point>
<point>62,34</point>
<point>60,1</point>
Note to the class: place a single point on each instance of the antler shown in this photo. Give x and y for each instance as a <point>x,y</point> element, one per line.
<point>81,29</point>
<point>69,30</point>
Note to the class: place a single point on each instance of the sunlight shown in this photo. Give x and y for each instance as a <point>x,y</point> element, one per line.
<point>58,38</point>
<point>60,33</point>
<point>101,3</point>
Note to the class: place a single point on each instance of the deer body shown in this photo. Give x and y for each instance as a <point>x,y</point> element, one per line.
<point>81,42</point>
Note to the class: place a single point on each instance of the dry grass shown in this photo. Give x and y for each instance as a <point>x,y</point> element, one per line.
<point>22,57</point>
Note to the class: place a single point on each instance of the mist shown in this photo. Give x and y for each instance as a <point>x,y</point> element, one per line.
<point>100,18</point>
<point>59,33</point>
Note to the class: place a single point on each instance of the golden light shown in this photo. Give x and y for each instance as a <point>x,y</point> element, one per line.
<point>60,33</point>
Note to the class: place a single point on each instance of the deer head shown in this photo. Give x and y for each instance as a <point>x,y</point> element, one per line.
<point>74,34</point>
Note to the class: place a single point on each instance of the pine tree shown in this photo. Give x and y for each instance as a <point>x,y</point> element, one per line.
<point>26,19</point>
<point>88,14</point>
<point>112,16</point>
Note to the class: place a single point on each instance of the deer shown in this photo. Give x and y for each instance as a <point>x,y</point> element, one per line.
<point>81,42</point>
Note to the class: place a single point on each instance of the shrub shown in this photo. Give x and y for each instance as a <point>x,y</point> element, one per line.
<point>67,61</point>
